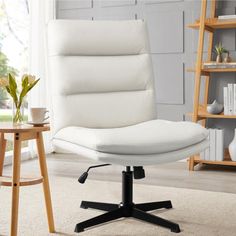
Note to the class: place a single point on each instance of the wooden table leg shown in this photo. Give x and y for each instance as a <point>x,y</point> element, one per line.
<point>46,188</point>
<point>191,163</point>
<point>2,151</point>
<point>15,184</point>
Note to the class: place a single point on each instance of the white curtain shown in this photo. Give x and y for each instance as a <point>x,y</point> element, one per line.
<point>41,11</point>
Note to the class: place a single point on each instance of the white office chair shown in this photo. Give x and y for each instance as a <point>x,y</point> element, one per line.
<point>104,108</point>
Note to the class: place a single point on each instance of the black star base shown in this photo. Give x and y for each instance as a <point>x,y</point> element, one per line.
<point>127,209</point>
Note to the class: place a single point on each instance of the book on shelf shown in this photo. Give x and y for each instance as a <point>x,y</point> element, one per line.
<point>205,155</point>
<point>231,99</point>
<point>226,105</point>
<point>202,155</point>
<point>234,110</point>
<point>212,144</point>
<point>227,17</point>
<point>219,144</point>
<point>215,65</point>
<point>215,152</point>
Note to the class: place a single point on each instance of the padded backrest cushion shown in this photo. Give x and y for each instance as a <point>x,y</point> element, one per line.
<point>89,38</point>
<point>101,73</point>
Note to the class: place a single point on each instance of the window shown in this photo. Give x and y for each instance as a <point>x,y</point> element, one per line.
<point>14,48</point>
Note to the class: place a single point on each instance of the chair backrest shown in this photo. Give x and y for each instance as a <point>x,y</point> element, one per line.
<point>101,73</point>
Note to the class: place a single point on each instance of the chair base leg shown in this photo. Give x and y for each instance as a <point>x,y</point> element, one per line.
<point>137,211</point>
<point>154,205</point>
<point>144,216</point>
<point>109,216</point>
<point>99,206</point>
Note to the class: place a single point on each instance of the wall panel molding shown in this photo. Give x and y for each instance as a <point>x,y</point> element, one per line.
<point>117,3</point>
<point>74,4</point>
<point>161,1</point>
<point>166,36</point>
<point>169,78</point>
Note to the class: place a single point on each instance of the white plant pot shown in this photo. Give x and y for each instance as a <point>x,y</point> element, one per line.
<point>232,148</point>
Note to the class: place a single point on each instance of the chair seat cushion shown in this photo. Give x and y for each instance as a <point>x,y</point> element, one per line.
<point>151,137</point>
<point>129,160</point>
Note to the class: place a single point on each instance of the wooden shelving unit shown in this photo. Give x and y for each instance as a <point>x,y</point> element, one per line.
<point>203,114</point>
<point>214,23</point>
<point>205,71</point>
<point>199,111</point>
<point>227,161</point>
<point>223,163</point>
<point>215,70</point>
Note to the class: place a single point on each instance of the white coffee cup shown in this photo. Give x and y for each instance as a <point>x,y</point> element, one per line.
<point>38,114</point>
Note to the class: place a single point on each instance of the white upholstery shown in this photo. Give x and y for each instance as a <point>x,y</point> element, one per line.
<point>129,73</point>
<point>131,160</point>
<point>101,38</point>
<point>151,137</point>
<point>104,100</point>
<point>101,73</point>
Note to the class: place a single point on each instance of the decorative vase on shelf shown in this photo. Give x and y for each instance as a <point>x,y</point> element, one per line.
<point>227,59</point>
<point>219,58</point>
<point>215,108</point>
<point>219,49</point>
<point>232,148</point>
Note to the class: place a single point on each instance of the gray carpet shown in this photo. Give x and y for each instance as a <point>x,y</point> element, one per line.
<point>199,213</point>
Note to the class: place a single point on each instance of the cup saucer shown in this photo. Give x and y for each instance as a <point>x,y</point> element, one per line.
<point>38,124</point>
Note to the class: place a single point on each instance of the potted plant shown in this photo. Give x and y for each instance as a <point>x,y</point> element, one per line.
<point>18,95</point>
<point>219,51</point>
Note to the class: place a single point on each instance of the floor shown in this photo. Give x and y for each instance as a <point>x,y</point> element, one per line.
<point>199,213</point>
<point>211,178</point>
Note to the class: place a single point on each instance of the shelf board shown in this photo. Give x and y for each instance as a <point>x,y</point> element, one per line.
<point>219,70</point>
<point>24,181</point>
<point>215,23</point>
<point>205,71</point>
<point>202,113</point>
<point>193,71</point>
<point>226,162</point>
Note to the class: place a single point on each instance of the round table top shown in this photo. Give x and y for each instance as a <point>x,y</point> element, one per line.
<point>8,127</point>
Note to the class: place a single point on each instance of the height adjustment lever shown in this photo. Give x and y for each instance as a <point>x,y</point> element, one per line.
<point>84,176</point>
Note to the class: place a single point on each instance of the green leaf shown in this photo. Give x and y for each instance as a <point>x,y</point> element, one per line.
<point>22,95</point>
<point>12,81</point>
<point>32,85</point>
<point>25,90</point>
<point>220,49</point>
<point>12,88</point>
<point>25,81</point>
<point>8,89</point>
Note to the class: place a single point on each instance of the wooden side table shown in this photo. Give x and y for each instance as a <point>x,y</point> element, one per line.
<point>18,134</point>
